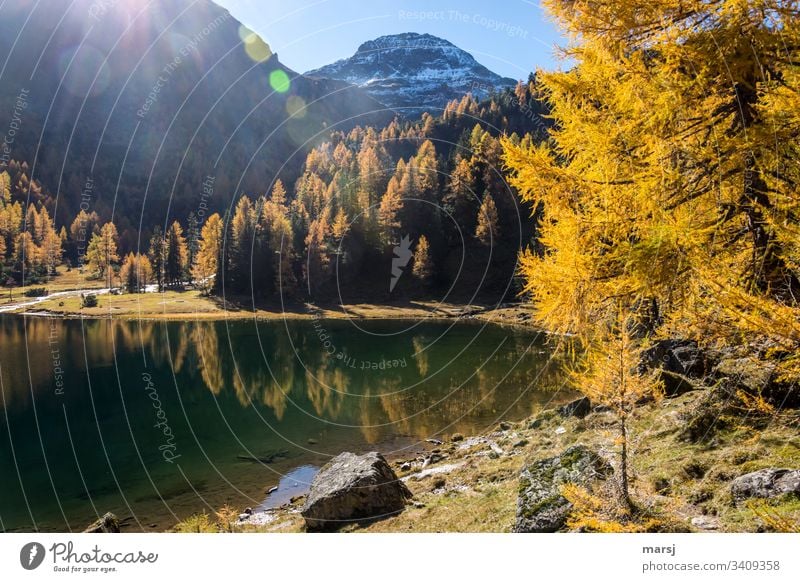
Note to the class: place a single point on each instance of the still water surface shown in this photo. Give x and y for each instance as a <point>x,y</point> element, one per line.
<point>156,421</point>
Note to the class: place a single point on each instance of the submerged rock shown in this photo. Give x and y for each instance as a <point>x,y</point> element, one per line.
<point>106,524</point>
<point>766,483</point>
<point>352,488</point>
<point>540,505</point>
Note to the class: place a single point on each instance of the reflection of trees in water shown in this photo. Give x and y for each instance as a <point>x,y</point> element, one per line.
<point>450,386</point>
<point>420,355</point>
<point>16,361</point>
<point>33,349</point>
<point>327,390</point>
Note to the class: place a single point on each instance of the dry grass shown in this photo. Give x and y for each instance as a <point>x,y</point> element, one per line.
<point>673,481</point>
<point>64,280</point>
<point>192,304</point>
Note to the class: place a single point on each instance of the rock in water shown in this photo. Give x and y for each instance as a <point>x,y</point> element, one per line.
<point>766,483</point>
<point>352,488</point>
<point>540,505</point>
<point>106,524</point>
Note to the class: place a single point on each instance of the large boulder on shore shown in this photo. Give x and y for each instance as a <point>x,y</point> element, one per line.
<point>540,505</point>
<point>766,483</point>
<point>353,488</point>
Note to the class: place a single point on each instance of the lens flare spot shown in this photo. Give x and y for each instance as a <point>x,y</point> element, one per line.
<point>296,107</point>
<point>254,45</point>
<point>84,70</point>
<point>245,34</point>
<point>258,50</point>
<point>279,81</point>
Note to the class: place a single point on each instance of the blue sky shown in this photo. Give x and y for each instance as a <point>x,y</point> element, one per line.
<point>510,37</point>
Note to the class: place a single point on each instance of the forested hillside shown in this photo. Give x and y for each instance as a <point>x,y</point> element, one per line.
<point>438,183</point>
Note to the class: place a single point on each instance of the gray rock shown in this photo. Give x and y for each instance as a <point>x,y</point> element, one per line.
<point>679,361</point>
<point>749,373</point>
<point>352,488</point>
<point>705,522</point>
<point>540,505</point>
<point>766,483</point>
<point>756,376</point>
<point>433,459</point>
<point>578,408</point>
<point>106,524</point>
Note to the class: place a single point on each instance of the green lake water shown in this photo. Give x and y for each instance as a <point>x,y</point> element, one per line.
<point>155,421</point>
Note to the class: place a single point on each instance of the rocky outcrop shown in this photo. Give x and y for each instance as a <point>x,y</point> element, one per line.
<point>766,483</point>
<point>578,408</point>
<point>106,524</point>
<point>757,377</point>
<point>540,505</point>
<point>352,488</point>
<point>680,362</point>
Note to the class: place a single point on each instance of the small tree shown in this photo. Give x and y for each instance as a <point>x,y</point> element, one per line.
<point>102,252</point>
<point>192,239</point>
<point>423,266</point>
<point>156,255</point>
<point>127,273</point>
<point>611,376</point>
<point>205,265</point>
<point>136,273</point>
<point>488,229</point>
<point>390,209</point>
<point>175,255</point>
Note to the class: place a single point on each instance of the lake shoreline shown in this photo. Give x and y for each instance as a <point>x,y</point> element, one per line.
<point>189,306</point>
<point>386,383</point>
<point>471,483</point>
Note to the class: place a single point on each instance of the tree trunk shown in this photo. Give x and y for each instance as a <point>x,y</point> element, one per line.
<point>769,271</point>
<point>623,464</point>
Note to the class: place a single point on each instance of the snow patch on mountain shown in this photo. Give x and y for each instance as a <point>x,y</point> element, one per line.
<point>413,72</point>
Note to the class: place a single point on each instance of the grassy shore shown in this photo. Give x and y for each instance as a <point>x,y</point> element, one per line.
<point>192,304</point>
<point>474,487</point>
<point>64,280</point>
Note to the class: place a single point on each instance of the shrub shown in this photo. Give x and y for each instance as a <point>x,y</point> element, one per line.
<point>36,292</point>
<point>89,300</point>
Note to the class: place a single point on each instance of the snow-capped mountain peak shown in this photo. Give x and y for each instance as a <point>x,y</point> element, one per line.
<point>414,72</point>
